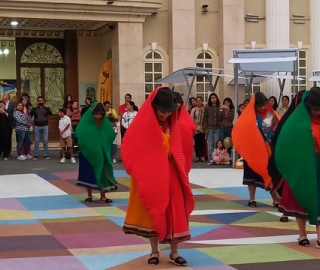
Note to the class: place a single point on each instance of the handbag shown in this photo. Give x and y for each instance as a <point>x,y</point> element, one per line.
<point>200,129</point>
<point>239,163</point>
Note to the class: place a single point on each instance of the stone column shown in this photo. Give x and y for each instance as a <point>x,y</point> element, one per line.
<point>231,36</point>
<point>127,56</point>
<point>314,33</point>
<point>277,37</point>
<point>71,64</point>
<point>182,37</point>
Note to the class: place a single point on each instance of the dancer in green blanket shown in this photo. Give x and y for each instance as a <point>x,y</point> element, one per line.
<point>297,155</point>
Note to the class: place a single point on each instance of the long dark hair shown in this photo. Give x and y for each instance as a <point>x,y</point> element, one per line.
<point>25,95</point>
<point>230,101</point>
<point>135,107</point>
<point>66,102</point>
<point>275,105</point>
<point>210,102</point>
<point>71,108</point>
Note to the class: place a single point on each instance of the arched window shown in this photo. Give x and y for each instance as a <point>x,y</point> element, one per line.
<point>204,60</point>
<point>42,74</point>
<point>153,71</point>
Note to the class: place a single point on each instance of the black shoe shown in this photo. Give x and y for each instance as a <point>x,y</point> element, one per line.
<point>178,261</point>
<point>154,260</point>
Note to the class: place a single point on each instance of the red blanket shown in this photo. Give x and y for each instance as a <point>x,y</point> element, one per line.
<point>145,158</point>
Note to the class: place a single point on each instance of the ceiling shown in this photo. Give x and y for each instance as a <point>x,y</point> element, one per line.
<point>51,25</point>
<point>51,18</point>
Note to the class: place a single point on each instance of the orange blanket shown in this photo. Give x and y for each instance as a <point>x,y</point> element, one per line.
<point>250,144</point>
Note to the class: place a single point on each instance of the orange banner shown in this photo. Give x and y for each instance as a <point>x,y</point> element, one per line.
<point>105,83</point>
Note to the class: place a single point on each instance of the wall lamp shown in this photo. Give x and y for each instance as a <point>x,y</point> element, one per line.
<point>299,44</point>
<point>252,17</point>
<point>298,15</point>
<point>299,22</point>
<point>205,8</point>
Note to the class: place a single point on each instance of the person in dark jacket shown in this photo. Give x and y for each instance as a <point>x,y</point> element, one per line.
<point>211,124</point>
<point>5,131</point>
<point>41,112</point>
<point>9,106</point>
<point>88,102</point>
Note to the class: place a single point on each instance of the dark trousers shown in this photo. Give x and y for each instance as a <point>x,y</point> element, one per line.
<point>199,144</point>
<point>5,141</point>
<point>122,131</point>
<point>10,142</point>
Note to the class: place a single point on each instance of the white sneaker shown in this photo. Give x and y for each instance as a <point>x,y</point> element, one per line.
<point>73,160</point>
<point>21,157</point>
<point>63,160</point>
<point>28,157</point>
<point>5,159</point>
<point>114,161</point>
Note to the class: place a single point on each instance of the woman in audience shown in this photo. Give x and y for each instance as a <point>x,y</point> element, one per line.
<point>199,137</point>
<point>75,115</point>
<point>273,102</point>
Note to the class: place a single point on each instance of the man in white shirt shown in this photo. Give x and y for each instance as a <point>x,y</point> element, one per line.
<point>65,136</point>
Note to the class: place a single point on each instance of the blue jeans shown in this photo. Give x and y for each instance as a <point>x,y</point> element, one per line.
<point>213,137</point>
<point>225,132</point>
<point>23,136</point>
<point>37,133</point>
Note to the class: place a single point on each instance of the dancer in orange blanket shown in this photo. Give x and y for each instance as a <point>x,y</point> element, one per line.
<point>157,153</point>
<point>252,136</point>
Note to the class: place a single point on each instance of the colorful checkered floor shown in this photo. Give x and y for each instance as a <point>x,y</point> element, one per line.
<point>46,225</point>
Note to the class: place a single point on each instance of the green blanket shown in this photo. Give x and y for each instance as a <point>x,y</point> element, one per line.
<point>296,160</point>
<point>95,144</point>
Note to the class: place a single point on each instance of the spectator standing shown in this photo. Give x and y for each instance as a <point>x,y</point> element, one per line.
<point>122,110</point>
<point>9,106</point>
<point>241,109</point>
<point>88,102</point>
<point>75,115</point>
<point>282,109</point>
<point>68,102</point>
<point>110,112</point>
<point>273,102</point>
<point>5,131</point>
<point>41,112</point>
<point>128,116</point>
<point>26,110</point>
<point>22,124</point>
<point>192,103</point>
<point>65,136</point>
<point>199,137</point>
<point>211,123</point>
<point>226,118</point>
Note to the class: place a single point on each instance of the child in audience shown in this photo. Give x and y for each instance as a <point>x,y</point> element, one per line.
<point>220,155</point>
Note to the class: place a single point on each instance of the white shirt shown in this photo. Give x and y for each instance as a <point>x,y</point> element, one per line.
<point>268,119</point>
<point>127,118</point>
<point>63,122</point>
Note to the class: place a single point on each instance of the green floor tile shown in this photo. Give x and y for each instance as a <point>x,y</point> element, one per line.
<point>254,254</point>
<point>258,218</point>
